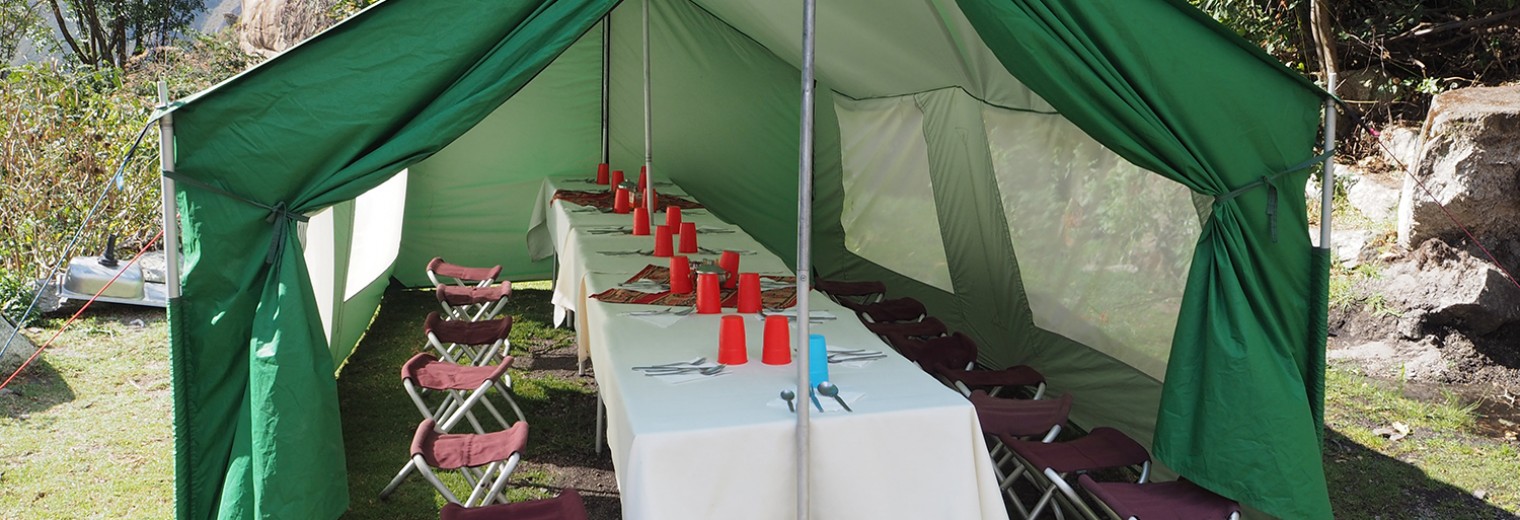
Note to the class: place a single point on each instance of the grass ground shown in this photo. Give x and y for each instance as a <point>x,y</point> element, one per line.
<point>86,433</point>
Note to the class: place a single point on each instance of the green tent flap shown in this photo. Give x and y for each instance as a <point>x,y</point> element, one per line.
<point>1170,101</point>
<point>256,414</point>
<point>482,99</point>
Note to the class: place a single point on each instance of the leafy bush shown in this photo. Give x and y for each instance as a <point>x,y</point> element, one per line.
<point>65,131</point>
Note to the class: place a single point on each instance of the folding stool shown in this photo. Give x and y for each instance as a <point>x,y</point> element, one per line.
<point>468,342</point>
<point>1018,418</point>
<point>462,387</point>
<point>1176,500</point>
<point>1047,465</point>
<point>862,292</point>
<point>472,303</point>
<point>567,506</point>
<point>952,359</point>
<point>897,309</point>
<point>461,275</point>
<point>891,331</point>
<point>485,460</point>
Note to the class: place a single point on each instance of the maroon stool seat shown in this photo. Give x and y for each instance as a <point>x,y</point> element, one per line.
<point>897,309</point>
<point>468,342</point>
<point>952,358</point>
<point>462,387</point>
<point>486,460</point>
<point>1177,500</point>
<point>567,506</point>
<point>471,303</point>
<point>1044,464</point>
<point>894,331</point>
<point>859,292</point>
<point>474,276</point>
<point>1020,417</point>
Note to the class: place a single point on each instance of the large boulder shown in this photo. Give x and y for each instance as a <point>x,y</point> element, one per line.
<point>1442,286</point>
<point>20,349</point>
<point>1470,163</point>
<point>268,27</point>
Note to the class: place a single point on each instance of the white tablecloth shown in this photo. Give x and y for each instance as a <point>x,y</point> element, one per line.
<point>724,447</point>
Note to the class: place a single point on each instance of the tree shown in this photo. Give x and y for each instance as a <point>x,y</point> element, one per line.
<point>19,21</point>
<point>107,32</point>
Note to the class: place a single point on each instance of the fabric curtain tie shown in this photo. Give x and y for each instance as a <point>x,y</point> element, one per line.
<point>278,213</point>
<point>1270,181</point>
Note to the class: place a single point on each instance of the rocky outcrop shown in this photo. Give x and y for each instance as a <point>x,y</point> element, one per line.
<point>268,27</point>
<point>1441,286</point>
<point>20,349</point>
<point>1469,162</point>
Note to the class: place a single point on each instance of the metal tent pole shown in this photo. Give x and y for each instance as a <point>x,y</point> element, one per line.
<point>606,86</point>
<point>648,148</point>
<point>804,254</point>
<point>171,205</point>
<point>1327,180</point>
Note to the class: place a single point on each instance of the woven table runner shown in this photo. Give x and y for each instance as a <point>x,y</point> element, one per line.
<point>603,199</point>
<point>773,299</point>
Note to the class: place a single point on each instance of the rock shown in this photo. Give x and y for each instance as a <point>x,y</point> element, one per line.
<point>20,349</point>
<point>1419,361</point>
<point>1468,161</point>
<point>152,263</point>
<point>270,26</point>
<point>1377,201</point>
<point>1444,286</point>
<point>1400,144</point>
<point>1348,245</point>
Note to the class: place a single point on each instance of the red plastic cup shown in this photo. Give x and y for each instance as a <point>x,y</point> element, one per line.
<point>778,341</point>
<point>731,348</point>
<point>709,301</point>
<point>673,218</point>
<point>603,176</point>
<point>749,293</point>
<point>643,177</point>
<point>729,261</point>
<point>662,242</point>
<point>617,178</point>
<point>620,203</point>
<point>680,272</point>
<point>640,221</point>
<point>688,237</point>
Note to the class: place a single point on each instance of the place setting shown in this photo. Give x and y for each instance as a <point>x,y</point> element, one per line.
<point>833,399</point>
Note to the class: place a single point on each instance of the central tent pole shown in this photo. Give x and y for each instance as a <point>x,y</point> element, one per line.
<point>804,255</point>
<point>606,85</point>
<point>648,166</point>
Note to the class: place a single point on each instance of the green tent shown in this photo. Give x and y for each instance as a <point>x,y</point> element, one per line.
<point>1089,187</point>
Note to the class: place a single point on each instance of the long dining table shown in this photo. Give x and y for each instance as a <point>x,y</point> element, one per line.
<point>724,446</point>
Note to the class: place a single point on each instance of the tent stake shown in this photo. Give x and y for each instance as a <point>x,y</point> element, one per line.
<point>166,187</point>
<point>804,255</point>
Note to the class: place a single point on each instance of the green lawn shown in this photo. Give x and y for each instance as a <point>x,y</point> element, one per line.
<point>86,433</point>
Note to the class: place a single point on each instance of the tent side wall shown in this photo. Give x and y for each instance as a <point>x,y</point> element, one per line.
<point>470,202</point>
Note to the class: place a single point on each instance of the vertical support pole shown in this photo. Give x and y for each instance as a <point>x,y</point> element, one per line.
<point>804,256</point>
<point>648,135</point>
<point>1327,178</point>
<point>171,205</point>
<point>606,87</point>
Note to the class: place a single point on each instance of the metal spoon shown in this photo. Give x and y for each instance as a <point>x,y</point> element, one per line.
<point>829,390</point>
<point>788,395</point>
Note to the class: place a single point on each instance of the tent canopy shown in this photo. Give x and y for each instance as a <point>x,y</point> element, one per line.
<point>1087,187</point>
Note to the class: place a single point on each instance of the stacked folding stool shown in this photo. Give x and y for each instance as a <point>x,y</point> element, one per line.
<point>466,368</point>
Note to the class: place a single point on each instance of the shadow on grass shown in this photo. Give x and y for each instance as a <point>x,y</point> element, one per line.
<point>38,388</point>
<point>1367,484</point>
<point>379,419</point>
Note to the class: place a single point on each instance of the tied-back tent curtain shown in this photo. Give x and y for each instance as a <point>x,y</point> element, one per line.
<point>1177,94</point>
<point>257,431</point>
